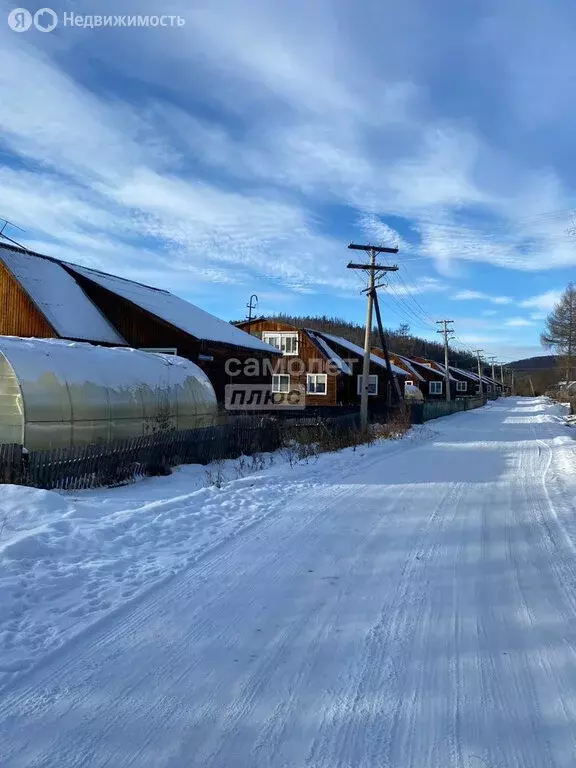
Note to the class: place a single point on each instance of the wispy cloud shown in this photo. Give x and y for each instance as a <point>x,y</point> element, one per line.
<point>545,302</point>
<point>287,136</point>
<point>518,322</point>
<point>468,295</point>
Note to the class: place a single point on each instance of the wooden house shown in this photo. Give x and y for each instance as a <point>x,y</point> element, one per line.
<point>327,368</point>
<point>466,383</point>
<point>427,375</point>
<point>47,298</point>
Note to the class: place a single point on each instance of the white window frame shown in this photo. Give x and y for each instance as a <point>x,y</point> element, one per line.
<point>409,381</point>
<point>461,386</point>
<point>276,383</point>
<point>489,388</point>
<point>478,389</point>
<point>435,387</point>
<point>312,379</point>
<point>279,340</point>
<point>372,382</point>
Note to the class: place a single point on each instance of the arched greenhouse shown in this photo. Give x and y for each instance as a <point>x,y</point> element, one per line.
<point>56,393</point>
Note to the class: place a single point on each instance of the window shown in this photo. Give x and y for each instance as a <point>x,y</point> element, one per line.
<point>280,382</point>
<point>435,387</point>
<point>488,388</point>
<point>286,342</point>
<point>408,382</point>
<point>372,384</point>
<point>461,386</point>
<point>478,389</point>
<point>316,383</point>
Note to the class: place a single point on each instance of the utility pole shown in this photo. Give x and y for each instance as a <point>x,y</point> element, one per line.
<point>512,387</point>
<point>492,363</point>
<point>251,306</point>
<point>372,268</point>
<point>445,331</point>
<point>502,376</point>
<point>478,351</point>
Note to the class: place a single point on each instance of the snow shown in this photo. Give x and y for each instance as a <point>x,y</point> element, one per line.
<point>409,605</point>
<point>59,297</point>
<point>174,310</point>
<point>360,352</point>
<point>469,374</point>
<point>329,352</point>
<point>442,368</point>
<point>115,368</point>
<point>408,363</point>
<point>67,560</point>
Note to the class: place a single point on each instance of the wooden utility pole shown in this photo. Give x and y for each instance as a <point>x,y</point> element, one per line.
<point>502,376</point>
<point>445,331</point>
<point>372,268</point>
<point>492,364</point>
<point>478,351</point>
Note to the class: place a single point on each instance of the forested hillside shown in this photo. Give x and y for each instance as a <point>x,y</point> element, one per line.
<point>400,340</point>
<point>539,363</point>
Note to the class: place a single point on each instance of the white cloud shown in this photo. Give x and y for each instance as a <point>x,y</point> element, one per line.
<point>518,322</point>
<point>309,119</point>
<point>468,295</point>
<point>545,302</point>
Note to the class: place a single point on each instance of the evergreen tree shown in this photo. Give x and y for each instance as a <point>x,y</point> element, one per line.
<point>560,329</point>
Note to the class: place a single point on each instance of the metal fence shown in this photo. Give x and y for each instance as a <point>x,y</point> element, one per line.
<point>422,412</point>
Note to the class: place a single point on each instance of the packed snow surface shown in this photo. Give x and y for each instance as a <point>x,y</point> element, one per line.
<point>407,605</point>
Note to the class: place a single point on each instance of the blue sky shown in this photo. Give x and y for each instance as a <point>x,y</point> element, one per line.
<point>241,152</point>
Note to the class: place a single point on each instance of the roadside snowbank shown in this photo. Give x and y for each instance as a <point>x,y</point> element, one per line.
<point>68,560</point>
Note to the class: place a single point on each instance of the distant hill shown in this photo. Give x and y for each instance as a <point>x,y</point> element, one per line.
<point>400,340</point>
<point>539,363</point>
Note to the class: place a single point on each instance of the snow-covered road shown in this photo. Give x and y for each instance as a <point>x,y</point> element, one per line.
<point>419,611</point>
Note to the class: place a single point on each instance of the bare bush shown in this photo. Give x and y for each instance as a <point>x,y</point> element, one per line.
<point>215,474</point>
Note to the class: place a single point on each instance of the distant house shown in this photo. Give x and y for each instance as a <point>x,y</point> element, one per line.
<point>489,386</point>
<point>431,378</point>
<point>48,298</point>
<point>465,383</point>
<point>327,368</point>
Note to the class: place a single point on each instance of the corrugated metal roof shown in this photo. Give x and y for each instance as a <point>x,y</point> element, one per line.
<point>328,351</point>
<point>174,310</point>
<point>408,363</point>
<point>442,368</point>
<point>360,352</point>
<point>59,298</point>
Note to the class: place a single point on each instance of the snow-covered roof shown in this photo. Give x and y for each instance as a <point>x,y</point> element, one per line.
<point>175,311</point>
<point>360,352</point>
<point>474,376</point>
<point>442,368</point>
<point>429,366</point>
<point>77,362</point>
<point>59,297</point>
<point>468,374</point>
<point>408,363</point>
<point>328,351</point>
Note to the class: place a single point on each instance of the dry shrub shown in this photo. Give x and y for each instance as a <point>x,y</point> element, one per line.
<point>215,474</point>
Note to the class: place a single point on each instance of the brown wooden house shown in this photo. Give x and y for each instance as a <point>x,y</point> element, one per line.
<point>326,368</point>
<point>47,298</point>
<point>428,375</point>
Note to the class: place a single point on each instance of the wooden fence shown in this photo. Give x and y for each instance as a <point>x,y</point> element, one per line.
<point>115,463</point>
